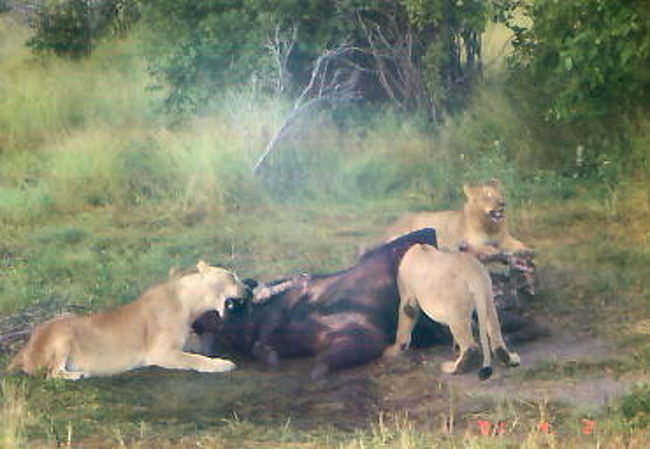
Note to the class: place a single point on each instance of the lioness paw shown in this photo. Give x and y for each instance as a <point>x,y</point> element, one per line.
<point>223,365</point>
<point>515,360</point>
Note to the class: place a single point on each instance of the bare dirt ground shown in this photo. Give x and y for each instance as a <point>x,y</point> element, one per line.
<point>413,384</point>
<point>590,392</point>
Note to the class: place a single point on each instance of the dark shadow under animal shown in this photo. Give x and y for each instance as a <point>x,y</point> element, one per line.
<point>343,319</point>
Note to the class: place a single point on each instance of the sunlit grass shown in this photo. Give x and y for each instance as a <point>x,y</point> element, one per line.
<point>14,415</point>
<point>45,98</point>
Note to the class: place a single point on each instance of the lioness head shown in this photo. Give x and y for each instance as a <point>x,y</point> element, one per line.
<point>488,198</point>
<point>212,287</point>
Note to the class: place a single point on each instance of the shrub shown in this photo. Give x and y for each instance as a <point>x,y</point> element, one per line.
<point>73,27</point>
<point>580,70</point>
<point>636,406</point>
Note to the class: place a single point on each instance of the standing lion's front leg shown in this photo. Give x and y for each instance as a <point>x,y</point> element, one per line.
<point>408,314</point>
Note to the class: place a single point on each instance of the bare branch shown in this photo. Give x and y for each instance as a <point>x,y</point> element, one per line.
<point>281,45</point>
<point>264,292</point>
<point>392,50</point>
<point>320,71</point>
<point>311,106</point>
<point>333,79</point>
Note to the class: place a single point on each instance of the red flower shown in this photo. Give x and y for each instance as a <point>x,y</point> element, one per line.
<point>588,426</point>
<point>544,426</point>
<point>484,427</point>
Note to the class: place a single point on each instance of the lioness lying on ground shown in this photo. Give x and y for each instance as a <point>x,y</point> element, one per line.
<point>449,287</point>
<point>148,331</point>
<point>479,226</point>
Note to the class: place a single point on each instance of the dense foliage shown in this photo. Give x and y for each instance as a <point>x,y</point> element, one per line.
<point>72,28</point>
<point>584,63</point>
<point>636,406</point>
<point>580,71</point>
<point>420,55</point>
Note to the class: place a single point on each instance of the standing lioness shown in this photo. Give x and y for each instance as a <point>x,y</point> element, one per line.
<point>449,287</point>
<point>480,225</point>
<point>148,331</point>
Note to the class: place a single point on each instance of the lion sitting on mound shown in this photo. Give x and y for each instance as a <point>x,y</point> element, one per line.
<point>480,226</point>
<point>151,330</point>
<point>449,287</point>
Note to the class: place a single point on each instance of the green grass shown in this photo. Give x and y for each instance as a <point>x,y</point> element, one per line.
<point>76,414</point>
<point>100,197</point>
<point>46,99</point>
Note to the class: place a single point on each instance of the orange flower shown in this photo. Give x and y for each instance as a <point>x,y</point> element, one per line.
<point>544,426</point>
<point>484,427</point>
<point>588,426</point>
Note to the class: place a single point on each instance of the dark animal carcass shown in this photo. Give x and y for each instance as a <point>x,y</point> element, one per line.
<point>344,319</point>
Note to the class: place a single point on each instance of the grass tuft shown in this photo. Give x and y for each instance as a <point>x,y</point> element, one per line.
<point>14,415</point>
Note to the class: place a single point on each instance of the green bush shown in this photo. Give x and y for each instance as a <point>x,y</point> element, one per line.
<point>63,28</point>
<point>580,75</point>
<point>587,58</point>
<point>421,55</point>
<point>144,175</point>
<point>636,406</point>
<point>72,28</point>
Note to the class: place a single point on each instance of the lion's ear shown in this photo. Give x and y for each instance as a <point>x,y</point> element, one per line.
<point>468,190</point>
<point>202,267</point>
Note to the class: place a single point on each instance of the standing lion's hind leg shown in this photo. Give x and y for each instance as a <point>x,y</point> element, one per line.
<point>466,361</point>
<point>469,356</point>
<point>508,358</point>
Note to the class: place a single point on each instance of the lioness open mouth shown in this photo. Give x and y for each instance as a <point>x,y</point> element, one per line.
<point>235,302</point>
<point>497,215</point>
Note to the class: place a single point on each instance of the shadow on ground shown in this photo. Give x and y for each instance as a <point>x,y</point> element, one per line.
<point>411,383</point>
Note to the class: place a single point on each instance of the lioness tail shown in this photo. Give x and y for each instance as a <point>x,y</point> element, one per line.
<point>482,303</point>
<point>16,363</point>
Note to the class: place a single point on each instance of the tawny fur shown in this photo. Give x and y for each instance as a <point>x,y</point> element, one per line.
<point>448,287</point>
<point>151,330</point>
<point>480,225</point>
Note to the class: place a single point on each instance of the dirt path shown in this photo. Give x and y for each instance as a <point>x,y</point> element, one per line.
<point>413,383</point>
<point>418,385</point>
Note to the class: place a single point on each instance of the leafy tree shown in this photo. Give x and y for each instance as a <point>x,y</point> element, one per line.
<point>418,54</point>
<point>71,28</point>
<point>585,63</point>
<point>63,28</point>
